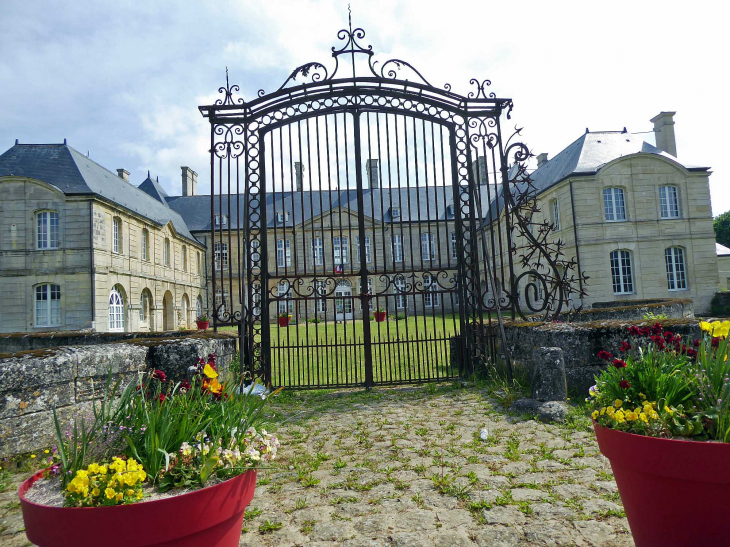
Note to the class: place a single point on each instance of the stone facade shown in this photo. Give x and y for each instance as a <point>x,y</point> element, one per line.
<point>86,267</point>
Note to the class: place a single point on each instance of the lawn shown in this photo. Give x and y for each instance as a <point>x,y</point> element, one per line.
<point>412,349</point>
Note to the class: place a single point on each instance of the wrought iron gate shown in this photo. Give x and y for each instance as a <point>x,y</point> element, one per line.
<point>364,229</point>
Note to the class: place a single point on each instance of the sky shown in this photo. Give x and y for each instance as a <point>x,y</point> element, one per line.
<point>122,80</point>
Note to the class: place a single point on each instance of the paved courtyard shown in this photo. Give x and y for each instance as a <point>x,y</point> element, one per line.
<point>407,467</point>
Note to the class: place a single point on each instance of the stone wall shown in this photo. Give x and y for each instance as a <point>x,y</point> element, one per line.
<point>605,311</point>
<point>580,343</point>
<point>70,378</point>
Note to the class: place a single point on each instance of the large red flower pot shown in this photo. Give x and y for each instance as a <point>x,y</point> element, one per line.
<point>674,492</point>
<point>380,316</point>
<point>283,321</point>
<point>202,325</point>
<point>211,516</point>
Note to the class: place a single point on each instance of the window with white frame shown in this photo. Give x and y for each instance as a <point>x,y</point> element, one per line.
<point>454,250</point>
<point>184,258</point>
<point>221,256</point>
<point>401,299</point>
<point>221,220</point>
<point>144,306</point>
<point>676,276</point>
<point>47,305</point>
<point>535,280</point>
<point>621,272</point>
<point>395,212</point>
<point>116,234</point>
<point>221,301</point>
<point>428,250</point>
<point>116,311</point>
<point>145,244</point>
<point>282,217</point>
<point>431,296</point>
<point>199,306</point>
<point>320,288</point>
<point>166,253</point>
<point>367,249</point>
<point>47,228</point>
<point>340,246</point>
<point>669,201</point>
<point>556,214</point>
<point>371,304</point>
<point>283,253</point>
<point>614,204</point>
<point>317,251</point>
<point>397,248</point>
<point>286,305</point>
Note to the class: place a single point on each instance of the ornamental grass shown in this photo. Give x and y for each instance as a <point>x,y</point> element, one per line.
<point>156,435</point>
<point>665,386</point>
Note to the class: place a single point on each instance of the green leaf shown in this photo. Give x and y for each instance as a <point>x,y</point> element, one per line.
<point>207,469</point>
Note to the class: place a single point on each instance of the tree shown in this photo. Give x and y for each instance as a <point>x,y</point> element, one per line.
<point>721,223</point>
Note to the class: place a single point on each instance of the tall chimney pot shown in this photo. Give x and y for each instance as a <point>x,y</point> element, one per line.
<point>123,174</point>
<point>373,173</point>
<point>479,169</point>
<point>189,182</point>
<point>542,159</point>
<point>299,175</point>
<point>664,132</point>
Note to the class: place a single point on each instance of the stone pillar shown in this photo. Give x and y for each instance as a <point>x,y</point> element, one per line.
<point>547,380</point>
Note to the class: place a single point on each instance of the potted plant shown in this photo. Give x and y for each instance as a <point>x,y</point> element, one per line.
<point>202,322</point>
<point>662,418</point>
<point>159,464</point>
<point>284,319</point>
<point>380,314</point>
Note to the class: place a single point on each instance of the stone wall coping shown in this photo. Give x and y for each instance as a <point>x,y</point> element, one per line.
<point>601,324</point>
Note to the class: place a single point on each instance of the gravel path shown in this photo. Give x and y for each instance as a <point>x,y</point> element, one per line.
<point>406,467</point>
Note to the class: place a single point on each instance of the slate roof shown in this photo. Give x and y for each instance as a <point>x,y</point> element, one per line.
<point>590,152</point>
<point>153,189</point>
<point>75,174</point>
<point>721,250</point>
<point>416,204</point>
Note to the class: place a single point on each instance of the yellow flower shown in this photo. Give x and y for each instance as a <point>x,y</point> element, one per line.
<point>141,475</point>
<point>102,469</point>
<point>32,456</point>
<point>120,496</point>
<point>653,415</point>
<point>95,492</point>
<point>631,416</point>
<point>139,495</point>
<point>110,493</point>
<point>210,372</point>
<point>594,415</point>
<point>130,492</point>
<point>610,411</point>
<point>93,468</point>
<point>603,411</point>
<point>705,326</point>
<point>668,410</point>
<point>46,451</point>
<point>642,395</point>
<point>617,403</point>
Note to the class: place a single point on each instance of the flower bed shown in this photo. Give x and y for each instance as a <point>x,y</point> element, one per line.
<point>152,440</point>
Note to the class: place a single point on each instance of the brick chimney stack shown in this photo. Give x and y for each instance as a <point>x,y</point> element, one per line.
<point>299,175</point>
<point>371,166</point>
<point>123,174</point>
<point>189,182</point>
<point>542,159</point>
<point>479,169</point>
<point>664,132</point>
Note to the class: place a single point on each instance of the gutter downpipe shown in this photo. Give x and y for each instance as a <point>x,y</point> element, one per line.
<point>575,236</point>
<point>91,258</point>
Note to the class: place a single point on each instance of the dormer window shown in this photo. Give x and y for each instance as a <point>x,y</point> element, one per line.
<point>282,217</point>
<point>221,220</point>
<point>395,212</point>
<point>450,210</point>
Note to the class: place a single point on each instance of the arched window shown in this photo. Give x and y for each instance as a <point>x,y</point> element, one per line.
<point>145,305</point>
<point>116,311</point>
<point>555,213</point>
<point>676,272</point>
<point>166,251</point>
<point>117,235</point>
<point>47,230</point>
<point>47,305</point>
<point>184,308</point>
<point>622,275</point>
<point>614,204</point>
<point>669,201</point>
<point>199,306</point>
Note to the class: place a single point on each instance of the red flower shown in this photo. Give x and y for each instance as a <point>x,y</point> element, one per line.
<point>624,384</point>
<point>625,346</point>
<point>691,353</point>
<point>668,336</point>
<point>715,342</point>
<point>644,331</point>
<point>161,397</point>
<point>604,355</point>
<point>161,376</point>
<point>696,343</point>
<point>633,330</point>
<point>618,363</point>
<point>656,329</point>
<point>184,385</point>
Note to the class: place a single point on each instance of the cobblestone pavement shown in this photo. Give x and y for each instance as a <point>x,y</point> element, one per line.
<point>407,467</point>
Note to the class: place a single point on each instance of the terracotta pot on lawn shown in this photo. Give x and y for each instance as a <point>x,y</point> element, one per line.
<point>202,325</point>
<point>283,321</point>
<point>380,316</point>
<point>211,516</point>
<point>674,492</point>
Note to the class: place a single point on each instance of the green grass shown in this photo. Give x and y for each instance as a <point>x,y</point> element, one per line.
<point>327,354</point>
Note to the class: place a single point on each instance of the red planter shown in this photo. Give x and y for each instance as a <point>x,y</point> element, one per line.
<point>283,321</point>
<point>210,516</point>
<point>674,492</point>
<point>380,316</point>
<point>202,325</point>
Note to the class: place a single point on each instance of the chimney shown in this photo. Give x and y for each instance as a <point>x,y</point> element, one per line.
<point>299,175</point>
<point>541,159</point>
<point>479,169</point>
<point>373,173</point>
<point>189,182</point>
<point>123,174</point>
<point>664,132</point>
